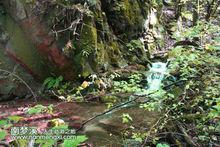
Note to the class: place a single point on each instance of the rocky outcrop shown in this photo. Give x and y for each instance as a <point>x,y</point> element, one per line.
<point>126,17</point>
<point>78,38</point>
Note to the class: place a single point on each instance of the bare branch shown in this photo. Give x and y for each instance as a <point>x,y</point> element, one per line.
<point>19,78</point>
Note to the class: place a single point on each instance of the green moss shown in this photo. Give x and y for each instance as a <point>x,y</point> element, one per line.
<point>27,1</point>
<point>88,36</point>
<point>132,12</point>
<point>109,99</point>
<point>87,46</point>
<point>114,52</point>
<point>127,17</point>
<point>101,55</point>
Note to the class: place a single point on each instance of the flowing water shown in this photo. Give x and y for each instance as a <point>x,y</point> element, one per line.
<point>108,129</point>
<point>155,76</point>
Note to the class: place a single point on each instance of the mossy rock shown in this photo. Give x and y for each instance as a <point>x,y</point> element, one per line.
<point>127,16</point>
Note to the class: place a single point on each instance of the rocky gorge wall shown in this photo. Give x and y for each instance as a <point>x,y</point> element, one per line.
<point>77,38</point>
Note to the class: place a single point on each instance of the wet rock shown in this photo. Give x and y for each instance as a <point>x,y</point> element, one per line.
<point>95,129</point>
<point>111,127</point>
<point>77,38</point>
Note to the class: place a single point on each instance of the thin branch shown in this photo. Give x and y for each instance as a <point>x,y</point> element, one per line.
<point>166,114</point>
<point>158,121</point>
<point>19,78</point>
<point>73,26</point>
<point>113,108</point>
<point>82,10</point>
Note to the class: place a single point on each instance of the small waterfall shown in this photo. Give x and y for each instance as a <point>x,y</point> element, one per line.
<point>155,76</point>
<point>157,70</point>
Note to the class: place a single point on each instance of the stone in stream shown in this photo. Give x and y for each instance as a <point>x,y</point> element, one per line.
<point>109,129</point>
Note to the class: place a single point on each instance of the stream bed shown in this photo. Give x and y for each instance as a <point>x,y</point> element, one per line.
<point>106,130</point>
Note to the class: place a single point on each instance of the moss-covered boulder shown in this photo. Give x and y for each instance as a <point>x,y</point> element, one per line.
<point>126,17</point>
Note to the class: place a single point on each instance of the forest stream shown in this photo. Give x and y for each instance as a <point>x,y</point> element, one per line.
<point>105,130</point>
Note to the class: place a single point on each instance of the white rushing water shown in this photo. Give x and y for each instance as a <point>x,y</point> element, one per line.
<point>156,75</point>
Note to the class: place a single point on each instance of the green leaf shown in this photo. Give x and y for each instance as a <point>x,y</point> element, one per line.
<point>36,109</point>
<point>75,141</point>
<point>187,15</point>
<point>47,81</point>
<point>15,118</point>
<point>51,84</point>
<point>46,143</point>
<point>57,82</point>
<point>60,78</point>
<point>3,123</point>
<point>23,143</point>
<point>60,127</point>
<point>162,145</point>
<point>126,118</point>
<point>139,139</point>
<point>3,134</point>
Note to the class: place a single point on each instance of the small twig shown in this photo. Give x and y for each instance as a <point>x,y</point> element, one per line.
<point>186,136</point>
<point>55,94</point>
<point>160,53</point>
<point>73,25</point>
<point>158,121</point>
<point>4,144</point>
<point>32,92</point>
<point>166,114</point>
